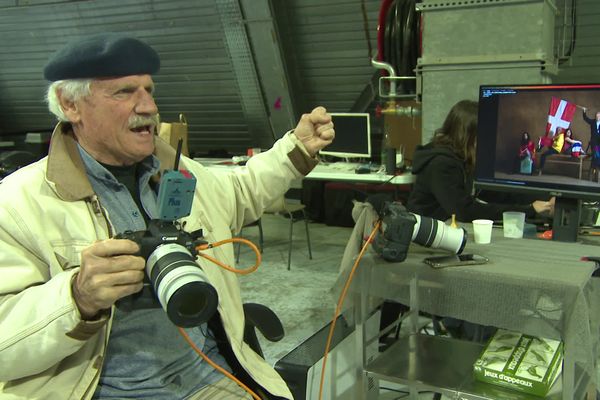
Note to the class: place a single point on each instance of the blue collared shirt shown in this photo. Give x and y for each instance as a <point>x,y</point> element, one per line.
<point>146,357</point>
<point>123,212</point>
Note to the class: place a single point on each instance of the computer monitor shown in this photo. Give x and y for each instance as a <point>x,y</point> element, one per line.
<point>545,112</point>
<point>352,136</point>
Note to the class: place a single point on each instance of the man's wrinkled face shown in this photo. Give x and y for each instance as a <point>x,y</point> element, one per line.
<point>116,122</point>
<point>598,116</point>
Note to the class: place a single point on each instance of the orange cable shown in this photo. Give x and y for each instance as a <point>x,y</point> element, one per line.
<point>341,302</point>
<point>234,270</point>
<point>227,267</point>
<point>214,365</point>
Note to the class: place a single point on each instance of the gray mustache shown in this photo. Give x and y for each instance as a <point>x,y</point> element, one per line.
<point>141,120</point>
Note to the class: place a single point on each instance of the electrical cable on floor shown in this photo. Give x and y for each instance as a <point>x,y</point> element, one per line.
<point>234,270</point>
<point>216,366</point>
<point>338,308</point>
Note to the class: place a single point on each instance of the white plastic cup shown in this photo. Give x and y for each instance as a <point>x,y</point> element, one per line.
<point>513,223</point>
<point>482,230</point>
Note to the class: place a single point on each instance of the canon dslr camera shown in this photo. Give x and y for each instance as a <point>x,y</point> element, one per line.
<point>400,227</point>
<point>179,283</point>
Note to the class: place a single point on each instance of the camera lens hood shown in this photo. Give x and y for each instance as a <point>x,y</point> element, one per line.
<point>192,304</point>
<point>181,285</point>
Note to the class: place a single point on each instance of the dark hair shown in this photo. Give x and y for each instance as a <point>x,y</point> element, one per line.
<point>567,131</point>
<point>459,132</point>
<point>525,140</point>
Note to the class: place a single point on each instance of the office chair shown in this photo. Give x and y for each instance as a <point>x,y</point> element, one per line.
<point>258,317</point>
<point>290,210</point>
<point>257,223</point>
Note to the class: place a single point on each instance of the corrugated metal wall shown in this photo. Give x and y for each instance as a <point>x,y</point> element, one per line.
<point>327,49</point>
<point>195,78</point>
<point>324,42</point>
<point>584,65</point>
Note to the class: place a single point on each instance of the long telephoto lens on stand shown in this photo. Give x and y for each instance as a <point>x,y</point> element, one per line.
<point>434,233</point>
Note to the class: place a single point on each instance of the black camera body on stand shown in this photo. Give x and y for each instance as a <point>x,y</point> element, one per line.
<point>399,228</point>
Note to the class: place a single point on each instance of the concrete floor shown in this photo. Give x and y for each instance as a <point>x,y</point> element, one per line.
<point>302,296</point>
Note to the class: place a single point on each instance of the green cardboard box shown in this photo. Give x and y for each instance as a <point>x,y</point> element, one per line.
<point>521,362</point>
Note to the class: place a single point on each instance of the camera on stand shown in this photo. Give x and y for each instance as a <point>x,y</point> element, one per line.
<point>399,227</point>
<point>178,282</point>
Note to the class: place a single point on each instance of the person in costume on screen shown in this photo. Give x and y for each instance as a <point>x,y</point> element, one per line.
<point>594,144</point>
<point>562,143</point>
<point>444,169</point>
<point>572,146</point>
<point>557,147</point>
<point>526,154</point>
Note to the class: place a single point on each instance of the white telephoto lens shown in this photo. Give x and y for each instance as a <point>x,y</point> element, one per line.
<point>172,275</point>
<point>448,238</point>
<point>434,233</point>
<point>176,279</point>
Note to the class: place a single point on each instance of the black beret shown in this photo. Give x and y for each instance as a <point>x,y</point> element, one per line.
<point>102,55</point>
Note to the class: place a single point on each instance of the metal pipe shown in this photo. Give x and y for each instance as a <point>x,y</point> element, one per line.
<point>390,71</point>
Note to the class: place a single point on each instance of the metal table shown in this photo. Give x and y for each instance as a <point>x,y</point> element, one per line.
<point>533,286</point>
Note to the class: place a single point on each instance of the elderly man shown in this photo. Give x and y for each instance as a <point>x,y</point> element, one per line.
<point>70,324</point>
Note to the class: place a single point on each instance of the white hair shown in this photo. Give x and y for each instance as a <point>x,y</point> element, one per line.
<point>70,89</point>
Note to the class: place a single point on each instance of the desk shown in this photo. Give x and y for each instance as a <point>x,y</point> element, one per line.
<point>327,172</point>
<point>330,173</point>
<point>532,286</point>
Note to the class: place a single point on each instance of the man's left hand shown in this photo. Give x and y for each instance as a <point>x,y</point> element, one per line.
<point>315,130</point>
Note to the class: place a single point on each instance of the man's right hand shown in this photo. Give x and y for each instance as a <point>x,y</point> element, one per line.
<point>109,271</point>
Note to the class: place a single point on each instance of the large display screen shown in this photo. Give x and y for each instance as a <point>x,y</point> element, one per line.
<point>539,138</point>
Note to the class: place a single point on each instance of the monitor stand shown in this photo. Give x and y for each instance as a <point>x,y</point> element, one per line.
<point>565,225</point>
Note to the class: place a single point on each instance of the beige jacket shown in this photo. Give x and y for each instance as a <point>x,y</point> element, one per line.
<point>49,213</point>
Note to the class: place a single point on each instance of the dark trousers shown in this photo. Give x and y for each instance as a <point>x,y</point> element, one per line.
<point>547,153</point>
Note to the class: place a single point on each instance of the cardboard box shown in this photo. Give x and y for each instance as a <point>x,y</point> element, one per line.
<point>521,362</point>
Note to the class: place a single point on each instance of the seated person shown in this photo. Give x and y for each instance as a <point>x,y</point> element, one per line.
<point>444,169</point>
<point>66,279</point>
<point>563,142</point>
<point>571,146</point>
<point>444,186</point>
<point>556,147</point>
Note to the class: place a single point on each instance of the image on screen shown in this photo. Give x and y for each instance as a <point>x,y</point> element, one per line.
<point>538,138</point>
<point>352,136</point>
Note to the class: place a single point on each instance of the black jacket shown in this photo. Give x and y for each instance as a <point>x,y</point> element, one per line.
<point>443,188</point>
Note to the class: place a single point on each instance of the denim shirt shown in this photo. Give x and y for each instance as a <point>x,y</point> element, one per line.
<point>146,357</point>
<point>123,212</point>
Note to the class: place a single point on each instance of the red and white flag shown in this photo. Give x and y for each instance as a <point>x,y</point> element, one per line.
<point>560,115</point>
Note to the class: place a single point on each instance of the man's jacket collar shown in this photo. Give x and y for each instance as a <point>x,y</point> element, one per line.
<point>67,171</point>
